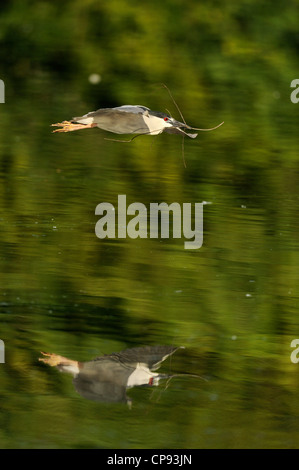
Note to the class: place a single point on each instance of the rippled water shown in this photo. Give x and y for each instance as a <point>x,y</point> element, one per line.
<point>232,304</point>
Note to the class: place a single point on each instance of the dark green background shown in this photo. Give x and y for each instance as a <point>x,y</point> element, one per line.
<point>233,304</point>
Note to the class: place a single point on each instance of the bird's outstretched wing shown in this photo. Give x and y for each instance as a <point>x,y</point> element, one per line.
<point>121,120</point>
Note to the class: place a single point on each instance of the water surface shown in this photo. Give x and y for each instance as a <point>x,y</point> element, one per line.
<point>233,303</point>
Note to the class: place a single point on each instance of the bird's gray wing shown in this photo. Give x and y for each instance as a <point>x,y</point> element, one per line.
<point>127,108</point>
<point>136,109</point>
<point>103,380</point>
<point>121,120</point>
<point>152,356</point>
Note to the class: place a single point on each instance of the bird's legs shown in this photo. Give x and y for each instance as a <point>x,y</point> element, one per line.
<point>68,126</point>
<point>55,360</point>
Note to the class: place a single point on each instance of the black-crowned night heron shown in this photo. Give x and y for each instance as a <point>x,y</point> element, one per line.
<point>129,119</point>
<point>107,378</point>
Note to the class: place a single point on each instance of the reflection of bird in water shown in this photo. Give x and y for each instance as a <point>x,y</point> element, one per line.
<point>106,378</point>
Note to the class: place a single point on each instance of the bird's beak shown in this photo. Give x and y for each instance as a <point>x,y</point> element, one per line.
<point>180,124</point>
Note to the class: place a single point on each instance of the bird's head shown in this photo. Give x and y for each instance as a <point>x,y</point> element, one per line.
<point>165,120</point>
<point>166,123</point>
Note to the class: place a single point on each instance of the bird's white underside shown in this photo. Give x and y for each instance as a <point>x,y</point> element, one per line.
<point>140,376</point>
<point>70,368</point>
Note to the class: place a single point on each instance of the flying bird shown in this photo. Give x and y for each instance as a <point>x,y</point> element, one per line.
<point>132,119</point>
<point>129,119</point>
